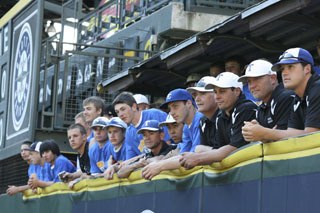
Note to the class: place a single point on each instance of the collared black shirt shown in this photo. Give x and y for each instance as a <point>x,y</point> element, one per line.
<point>208,130</point>
<point>229,129</point>
<point>165,149</point>
<point>277,111</point>
<point>84,160</point>
<point>306,111</point>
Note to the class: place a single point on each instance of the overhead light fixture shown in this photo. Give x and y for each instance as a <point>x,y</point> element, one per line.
<point>51,28</point>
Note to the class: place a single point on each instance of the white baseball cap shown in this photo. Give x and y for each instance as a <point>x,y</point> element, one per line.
<point>257,68</point>
<point>117,122</point>
<point>200,86</point>
<point>169,120</point>
<point>225,80</point>
<point>141,99</point>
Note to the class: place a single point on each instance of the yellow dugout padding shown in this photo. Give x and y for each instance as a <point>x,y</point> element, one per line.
<point>249,152</point>
<point>300,143</point>
<point>302,146</point>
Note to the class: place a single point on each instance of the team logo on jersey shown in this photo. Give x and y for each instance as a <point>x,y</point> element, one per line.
<point>273,106</point>
<point>234,116</point>
<point>295,106</point>
<point>141,145</point>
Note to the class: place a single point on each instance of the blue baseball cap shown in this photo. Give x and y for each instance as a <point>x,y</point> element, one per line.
<point>178,95</point>
<point>150,125</point>
<point>293,56</point>
<point>117,122</point>
<point>100,121</point>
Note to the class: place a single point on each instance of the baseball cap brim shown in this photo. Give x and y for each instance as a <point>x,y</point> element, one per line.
<point>276,66</point>
<point>165,104</point>
<point>100,125</point>
<point>198,89</point>
<point>166,122</point>
<point>147,128</point>
<point>244,78</point>
<point>115,125</point>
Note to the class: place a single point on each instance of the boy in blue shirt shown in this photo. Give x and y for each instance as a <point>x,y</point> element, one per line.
<point>98,152</point>
<point>50,151</point>
<point>40,171</point>
<point>116,132</point>
<point>126,108</point>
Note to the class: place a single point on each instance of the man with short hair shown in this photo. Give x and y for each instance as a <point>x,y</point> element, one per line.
<point>127,109</point>
<point>297,69</point>
<point>277,101</point>
<point>25,155</point>
<point>235,109</point>
<point>78,142</point>
<point>153,136</point>
<point>184,110</point>
<point>208,107</point>
<point>93,107</point>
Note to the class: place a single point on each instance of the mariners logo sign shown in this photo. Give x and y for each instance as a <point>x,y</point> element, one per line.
<point>21,76</point>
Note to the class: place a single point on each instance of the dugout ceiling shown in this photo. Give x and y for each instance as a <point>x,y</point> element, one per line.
<point>264,30</point>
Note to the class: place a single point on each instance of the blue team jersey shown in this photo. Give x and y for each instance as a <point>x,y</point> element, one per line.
<point>32,169</point>
<point>42,172</point>
<point>191,135</point>
<point>98,156</point>
<point>90,137</point>
<point>134,141</point>
<point>118,155</point>
<point>61,164</point>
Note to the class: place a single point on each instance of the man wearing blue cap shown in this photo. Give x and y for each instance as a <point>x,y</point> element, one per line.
<point>297,69</point>
<point>153,137</point>
<point>183,109</point>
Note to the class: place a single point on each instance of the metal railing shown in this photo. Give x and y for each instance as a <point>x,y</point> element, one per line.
<point>66,80</point>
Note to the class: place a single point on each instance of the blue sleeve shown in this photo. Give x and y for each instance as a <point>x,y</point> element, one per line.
<point>196,139</point>
<point>185,145</point>
<point>132,142</point>
<point>62,164</point>
<point>31,169</point>
<point>93,160</point>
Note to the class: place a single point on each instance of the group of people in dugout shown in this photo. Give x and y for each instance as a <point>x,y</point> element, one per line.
<point>205,123</point>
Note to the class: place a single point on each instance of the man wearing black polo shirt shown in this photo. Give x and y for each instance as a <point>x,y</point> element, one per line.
<point>297,69</point>
<point>235,110</point>
<point>276,100</point>
<point>78,142</point>
<point>208,107</point>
